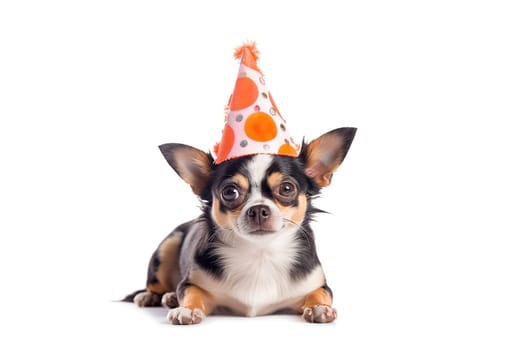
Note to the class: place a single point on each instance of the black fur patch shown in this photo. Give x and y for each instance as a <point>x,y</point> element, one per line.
<point>266,190</point>
<point>210,261</point>
<point>307,255</point>
<point>153,267</point>
<point>207,257</point>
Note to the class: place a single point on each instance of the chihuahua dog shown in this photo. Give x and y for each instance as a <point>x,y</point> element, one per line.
<point>251,251</point>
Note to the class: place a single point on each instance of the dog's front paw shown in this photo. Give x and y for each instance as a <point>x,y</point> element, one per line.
<point>183,315</point>
<point>319,314</point>
<point>169,300</point>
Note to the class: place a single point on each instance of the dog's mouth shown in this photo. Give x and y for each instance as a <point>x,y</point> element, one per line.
<point>261,232</point>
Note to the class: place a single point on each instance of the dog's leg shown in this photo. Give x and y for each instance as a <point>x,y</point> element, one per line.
<point>195,305</point>
<point>317,306</point>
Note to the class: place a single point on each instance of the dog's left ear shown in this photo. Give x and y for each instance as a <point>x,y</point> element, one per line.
<point>324,154</point>
<point>193,165</point>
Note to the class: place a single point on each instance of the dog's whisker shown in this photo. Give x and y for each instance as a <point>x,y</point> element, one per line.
<point>300,230</point>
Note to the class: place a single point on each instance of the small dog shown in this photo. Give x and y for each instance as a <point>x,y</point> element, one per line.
<point>252,249</point>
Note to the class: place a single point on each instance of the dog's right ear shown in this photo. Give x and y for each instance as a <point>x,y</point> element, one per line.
<point>193,165</point>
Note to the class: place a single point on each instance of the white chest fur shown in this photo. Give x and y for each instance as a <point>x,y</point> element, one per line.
<point>257,278</point>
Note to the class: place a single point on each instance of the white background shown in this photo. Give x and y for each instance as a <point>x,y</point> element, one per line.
<point>424,246</point>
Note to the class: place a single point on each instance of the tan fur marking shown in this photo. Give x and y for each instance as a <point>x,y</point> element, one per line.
<point>169,266</point>
<point>241,181</point>
<point>225,220</point>
<point>295,214</point>
<point>300,211</point>
<point>197,298</point>
<point>318,297</point>
<point>218,216</point>
<point>275,180</point>
<point>156,288</point>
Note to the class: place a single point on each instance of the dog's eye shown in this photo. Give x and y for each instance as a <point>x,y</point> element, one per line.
<point>230,193</point>
<point>287,190</point>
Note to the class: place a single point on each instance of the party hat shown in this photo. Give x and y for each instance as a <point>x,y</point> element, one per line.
<point>253,124</point>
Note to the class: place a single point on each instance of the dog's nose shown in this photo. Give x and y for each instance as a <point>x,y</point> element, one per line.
<point>258,214</point>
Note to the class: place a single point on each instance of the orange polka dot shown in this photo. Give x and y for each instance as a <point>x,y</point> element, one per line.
<point>287,150</point>
<point>260,127</point>
<point>244,95</point>
<point>228,138</point>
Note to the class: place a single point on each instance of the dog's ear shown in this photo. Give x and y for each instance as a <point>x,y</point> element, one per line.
<point>193,165</point>
<point>324,154</point>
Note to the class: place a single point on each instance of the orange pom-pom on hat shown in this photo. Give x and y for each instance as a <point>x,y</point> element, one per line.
<point>253,124</point>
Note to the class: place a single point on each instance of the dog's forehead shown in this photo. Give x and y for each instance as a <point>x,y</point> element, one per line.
<point>257,168</point>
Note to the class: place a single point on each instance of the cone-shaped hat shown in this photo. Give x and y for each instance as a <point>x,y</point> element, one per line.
<point>253,124</point>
